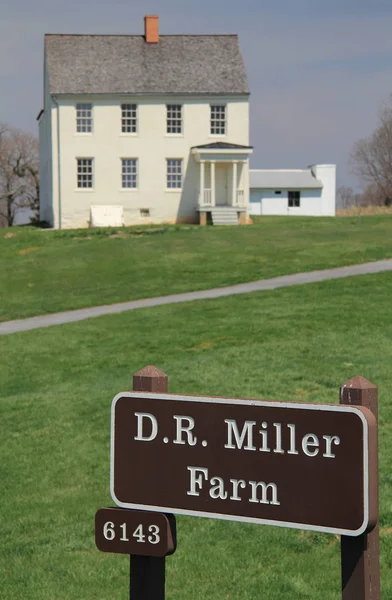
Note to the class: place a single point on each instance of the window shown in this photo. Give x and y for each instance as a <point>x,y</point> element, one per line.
<point>85,172</point>
<point>129,172</point>
<point>128,118</point>
<point>218,120</point>
<point>84,118</point>
<point>278,193</point>
<point>174,172</point>
<point>173,118</point>
<point>294,199</point>
<point>144,212</point>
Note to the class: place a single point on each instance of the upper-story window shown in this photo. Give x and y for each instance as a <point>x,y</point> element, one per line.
<point>218,119</point>
<point>294,199</point>
<point>128,118</point>
<point>173,118</point>
<point>84,117</point>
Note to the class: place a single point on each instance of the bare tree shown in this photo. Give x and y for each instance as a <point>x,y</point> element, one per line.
<point>373,195</point>
<point>372,156</point>
<point>19,173</point>
<point>345,196</point>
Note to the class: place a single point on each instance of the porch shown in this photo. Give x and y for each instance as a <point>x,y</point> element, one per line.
<point>223,182</point>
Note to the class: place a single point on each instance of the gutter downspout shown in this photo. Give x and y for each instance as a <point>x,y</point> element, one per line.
<point>58,159</point>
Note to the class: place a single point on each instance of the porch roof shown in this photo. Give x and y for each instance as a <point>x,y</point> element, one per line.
<point>222,146</point>
<point>221,152</point>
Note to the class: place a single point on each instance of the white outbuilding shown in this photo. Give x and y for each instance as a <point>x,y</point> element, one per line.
<point>305,192</point>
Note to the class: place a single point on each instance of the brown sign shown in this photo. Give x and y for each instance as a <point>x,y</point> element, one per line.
<point>135,532</point>
<point>295,465</point>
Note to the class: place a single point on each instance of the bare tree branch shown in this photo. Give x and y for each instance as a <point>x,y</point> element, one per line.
<point>372,157</point>
<point>19,173</point>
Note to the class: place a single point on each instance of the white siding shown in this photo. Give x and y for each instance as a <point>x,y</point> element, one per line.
<point>266,202</point>
<point>327,175</point>
<point>46,157</point>
<point>151,146</point>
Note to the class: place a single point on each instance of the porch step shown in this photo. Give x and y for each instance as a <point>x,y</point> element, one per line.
<point>224,216</point>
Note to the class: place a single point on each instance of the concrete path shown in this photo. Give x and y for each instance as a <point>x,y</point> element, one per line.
<point>243,288</point>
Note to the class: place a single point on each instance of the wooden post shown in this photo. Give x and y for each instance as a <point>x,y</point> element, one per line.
<point>360,556</point>
<point>147,579</point>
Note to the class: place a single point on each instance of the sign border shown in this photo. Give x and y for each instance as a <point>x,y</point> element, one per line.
<point>247,402</point>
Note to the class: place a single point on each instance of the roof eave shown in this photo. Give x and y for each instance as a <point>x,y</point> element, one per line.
<point>154,94</point>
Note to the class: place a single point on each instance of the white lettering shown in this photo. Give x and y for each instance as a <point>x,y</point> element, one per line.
<point>329,440</point>
<point>278,448</point>
<point>182,428</point>
<point>154,427</point>
<point>247,431</point>
<point>264,492</point>
<point>196,480</point>
<point>293,449</point>
<point>218,488</point>
<point>236,484</point>
<point>310,440</point>
<point>264,438</point>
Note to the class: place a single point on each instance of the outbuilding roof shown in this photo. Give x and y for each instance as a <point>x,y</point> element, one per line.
<point>283,179</point>
<point>127,64</point>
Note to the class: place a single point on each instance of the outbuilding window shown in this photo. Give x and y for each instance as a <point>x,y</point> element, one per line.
<point>294,199</point>
<point>85,173</point>
<point>84,117</point>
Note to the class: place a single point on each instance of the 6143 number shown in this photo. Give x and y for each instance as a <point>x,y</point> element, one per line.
<point>152,535</point>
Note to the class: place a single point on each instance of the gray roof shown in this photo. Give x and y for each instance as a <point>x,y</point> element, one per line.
<point>283,179</point>
<point>127,64</point>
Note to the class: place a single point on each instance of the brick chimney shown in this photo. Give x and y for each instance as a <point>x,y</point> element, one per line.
<point>151,29</point>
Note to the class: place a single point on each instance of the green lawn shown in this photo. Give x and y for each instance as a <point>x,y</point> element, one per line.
<point>44,271</point>
<point>56,389</point>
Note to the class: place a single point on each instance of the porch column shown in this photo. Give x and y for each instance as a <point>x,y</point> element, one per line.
<point>202,178</point>
<point>212,183</point>
<point>234,186</point>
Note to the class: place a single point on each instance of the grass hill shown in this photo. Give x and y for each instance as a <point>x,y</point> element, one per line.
<point>43,271</point>
<point>299,343</point>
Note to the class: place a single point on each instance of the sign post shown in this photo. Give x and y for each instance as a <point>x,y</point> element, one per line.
<point>147,573</point>
<point>360,556</point>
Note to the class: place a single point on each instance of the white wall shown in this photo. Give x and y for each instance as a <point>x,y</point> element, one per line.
<point>266,202</point>
<point>327,175</point>
<point>45,156</point>
<point>151,145</point>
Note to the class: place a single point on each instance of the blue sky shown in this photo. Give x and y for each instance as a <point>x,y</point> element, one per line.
<point>318,71</point>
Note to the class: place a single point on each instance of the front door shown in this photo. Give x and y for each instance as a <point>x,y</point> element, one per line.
<point>221,184</point>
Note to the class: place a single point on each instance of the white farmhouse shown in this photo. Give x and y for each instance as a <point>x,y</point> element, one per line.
<point>144,128</point>
<point>307,192</point>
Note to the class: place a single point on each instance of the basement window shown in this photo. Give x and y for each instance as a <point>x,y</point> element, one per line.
<point>144,212</point>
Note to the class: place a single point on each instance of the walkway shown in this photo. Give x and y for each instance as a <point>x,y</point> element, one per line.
<point>243,288</point>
